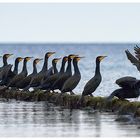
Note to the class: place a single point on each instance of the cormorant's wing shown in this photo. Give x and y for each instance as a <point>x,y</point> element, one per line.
<point>126,82</point>
<point>137,51</point>
<point>132,59</point>
<point>71,83</point>
<point>6,71</point>
<point>91,85</point>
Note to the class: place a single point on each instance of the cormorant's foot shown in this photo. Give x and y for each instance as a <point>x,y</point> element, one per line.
<point>91,95</point>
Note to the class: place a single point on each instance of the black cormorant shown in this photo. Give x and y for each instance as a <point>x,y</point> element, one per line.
<point>73,81</point>
<point>94,82</point>
<point>37,79</point>
<point>5,67</point>
<point>130,88</point>
<point>10,74</point>
<point>5,57</point>
<point>25,82</point>
<point>59,83</point>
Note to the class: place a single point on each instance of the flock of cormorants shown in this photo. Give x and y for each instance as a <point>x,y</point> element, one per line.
<point>50,79</point>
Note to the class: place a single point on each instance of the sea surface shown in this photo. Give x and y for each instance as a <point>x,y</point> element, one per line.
<point>43,119</point>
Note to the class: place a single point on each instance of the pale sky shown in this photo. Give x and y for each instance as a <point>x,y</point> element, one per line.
<point>90,23</point>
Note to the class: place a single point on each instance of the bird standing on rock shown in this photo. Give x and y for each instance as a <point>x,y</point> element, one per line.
<point>94,82</point>
<point>73,81</point>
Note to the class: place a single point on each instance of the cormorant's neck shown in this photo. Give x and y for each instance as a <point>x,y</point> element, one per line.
<point>97,71</point>
<point>55,69</point>
<point>5,62</point>
<point>24,69</point>
<point>45,65</point>
<point>76,69</point>
<point>69,66</point>
<point>16,67</point>
<point>34,68</point>
<point>62,69</point>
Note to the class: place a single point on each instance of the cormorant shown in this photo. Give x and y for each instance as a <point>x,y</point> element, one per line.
<point>73,81</point>
<point>25,82</point>
<point>37,79</point>
<point>46,84</point>
<point>5,57</point>
<point>59,83</point>
<point>10,74</point>
<point>130,88</point>
<point>21,75</point>
<point>3,69</point>
<point>94,82</point>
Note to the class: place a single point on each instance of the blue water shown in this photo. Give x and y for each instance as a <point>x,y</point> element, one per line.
<point>42,119</point>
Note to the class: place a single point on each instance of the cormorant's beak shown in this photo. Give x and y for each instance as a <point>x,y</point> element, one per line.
<point>57,59</point>
<point>73,55</point>
<point>51,53</point>
<point>38,60</point>
<point>79,58</point>
<point>102,57</point>
<point>29,58</point>
<point>9,55</point>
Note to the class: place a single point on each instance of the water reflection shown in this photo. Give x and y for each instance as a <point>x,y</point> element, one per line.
<point>43,119</point>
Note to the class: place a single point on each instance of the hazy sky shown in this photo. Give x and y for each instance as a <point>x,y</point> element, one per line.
<point>69,22</point>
